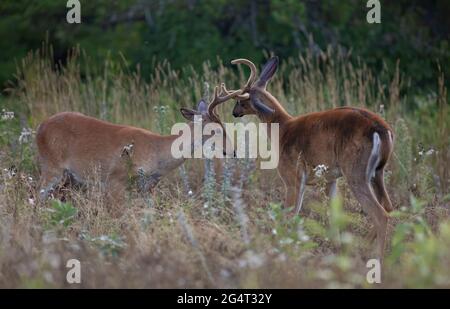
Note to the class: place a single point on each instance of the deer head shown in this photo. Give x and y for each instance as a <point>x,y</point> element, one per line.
<point>207,114</point>
<point>254,98</point>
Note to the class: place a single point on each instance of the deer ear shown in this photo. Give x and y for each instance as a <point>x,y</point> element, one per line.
<point>188,113</point>
<point>268,72</point>
<point>261,107</point>
<point>202,107</point>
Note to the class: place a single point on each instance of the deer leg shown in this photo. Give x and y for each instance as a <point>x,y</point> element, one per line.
<point>50,178</point>
<point>359,180</point>
<point>365,196</point>
<point>288,178</point>
<point>115,191</point>
<point>382,197</point>
<point>380,190</point>
<point>295,182</point>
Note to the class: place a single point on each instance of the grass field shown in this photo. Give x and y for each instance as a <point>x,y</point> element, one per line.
<point>231,231</point>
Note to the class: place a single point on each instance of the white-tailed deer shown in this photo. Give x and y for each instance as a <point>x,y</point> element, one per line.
<point>350,142</point>
<point>73,145</point>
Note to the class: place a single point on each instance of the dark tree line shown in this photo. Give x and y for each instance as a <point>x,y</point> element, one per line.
<point>192,31</point>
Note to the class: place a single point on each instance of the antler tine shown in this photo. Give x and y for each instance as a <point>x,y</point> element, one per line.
<point>214,102</point>
<point>242,96</point>
<point>253,71</point>
<point>224,89</point>
<point>219,98</point>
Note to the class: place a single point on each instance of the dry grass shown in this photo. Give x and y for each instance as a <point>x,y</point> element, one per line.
<point>242,239</point>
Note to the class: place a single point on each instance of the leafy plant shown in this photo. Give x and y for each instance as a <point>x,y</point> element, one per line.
<point>61,214</point>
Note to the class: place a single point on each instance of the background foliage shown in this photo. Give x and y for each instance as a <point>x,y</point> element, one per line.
<point>188,32</point>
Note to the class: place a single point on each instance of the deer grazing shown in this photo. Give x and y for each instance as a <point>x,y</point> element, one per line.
<point>71,145</point>
<point>351,142</point>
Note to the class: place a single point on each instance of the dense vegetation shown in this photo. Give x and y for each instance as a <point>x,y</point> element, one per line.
<point>188,32</point>
<point>220,223</point>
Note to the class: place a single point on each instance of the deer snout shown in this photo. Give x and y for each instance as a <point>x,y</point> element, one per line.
<point>237,111</point>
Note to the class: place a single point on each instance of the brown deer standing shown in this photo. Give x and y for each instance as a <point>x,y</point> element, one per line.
<point>73,145</point>
<point>350,142</point>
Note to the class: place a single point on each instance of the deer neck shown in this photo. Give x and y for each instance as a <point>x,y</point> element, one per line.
<point>165,160</point>
<point>280,116</point>
<point>194,144</point>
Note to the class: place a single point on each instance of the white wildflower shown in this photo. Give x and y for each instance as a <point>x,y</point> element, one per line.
<point>430,152</point>
<point>304,238</point>
<point>25,135</point>
<point>286,241</point>
<point>128,147</point>
<point>161,109</point>
<point>10,172</point>
<point>5,115</point>
<point>320,169</point>
<point>127,150</point>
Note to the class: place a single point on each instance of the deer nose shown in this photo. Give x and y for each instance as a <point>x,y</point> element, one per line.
<point>234,154</point>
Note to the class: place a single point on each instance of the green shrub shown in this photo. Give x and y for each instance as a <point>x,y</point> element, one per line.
<point>61,214</point>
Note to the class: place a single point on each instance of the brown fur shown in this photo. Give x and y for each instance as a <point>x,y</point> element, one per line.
<point>341,139</point>
<point>80,144</point>
<point>334,131</point>
<point>76,145</point>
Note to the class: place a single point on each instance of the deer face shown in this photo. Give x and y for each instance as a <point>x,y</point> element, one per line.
<point>243,107</point>
<point>254,98</point>
<point>205,117</point>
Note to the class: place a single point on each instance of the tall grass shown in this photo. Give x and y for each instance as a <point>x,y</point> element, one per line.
<point>248,241</point>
